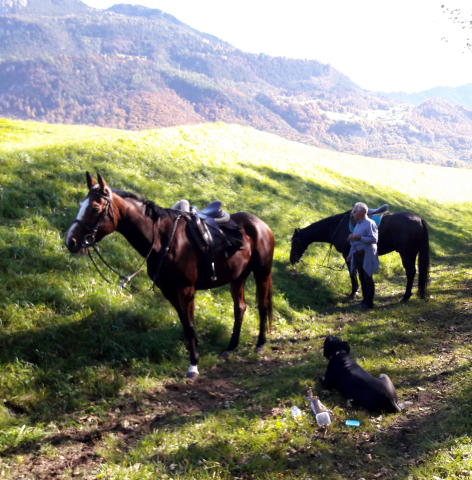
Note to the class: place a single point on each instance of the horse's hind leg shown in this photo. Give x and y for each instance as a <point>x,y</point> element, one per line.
<point>410,269</point>
<point>237,292</point>
<point>264,301</point>
<point>262,268</point>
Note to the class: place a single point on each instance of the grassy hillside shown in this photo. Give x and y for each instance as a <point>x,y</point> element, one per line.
<point>92,379</point>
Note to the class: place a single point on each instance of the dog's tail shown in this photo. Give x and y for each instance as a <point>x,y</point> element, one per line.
<point>402,405</point>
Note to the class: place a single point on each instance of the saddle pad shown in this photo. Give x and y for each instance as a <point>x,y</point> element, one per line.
<point>376,218</point>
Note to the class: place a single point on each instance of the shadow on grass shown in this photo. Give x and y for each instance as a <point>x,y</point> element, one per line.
<point>301,290</point>
<point>413,433</point>
<point>66,365</point>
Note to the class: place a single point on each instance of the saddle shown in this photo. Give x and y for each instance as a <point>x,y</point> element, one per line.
<point>374,214</point>
<point>211,229</point>
<point>383,210</point>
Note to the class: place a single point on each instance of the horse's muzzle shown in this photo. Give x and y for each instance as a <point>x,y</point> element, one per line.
<point>75,247</point>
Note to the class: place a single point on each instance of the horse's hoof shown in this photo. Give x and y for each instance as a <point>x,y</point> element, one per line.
<point>192,376</point>
<point>404,300</point>
<point>192,373</point>
<point>259,350</point>
<point>226,355</point>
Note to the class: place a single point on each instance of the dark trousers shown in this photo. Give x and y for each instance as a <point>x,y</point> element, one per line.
<point>367,283</point>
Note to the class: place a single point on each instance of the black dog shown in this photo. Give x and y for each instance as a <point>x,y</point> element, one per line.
<point>354,383</point>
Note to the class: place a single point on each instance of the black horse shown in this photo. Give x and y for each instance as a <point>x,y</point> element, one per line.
<point>405,233</point>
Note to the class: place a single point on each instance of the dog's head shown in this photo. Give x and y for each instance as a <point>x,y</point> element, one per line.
<point>333,345</point>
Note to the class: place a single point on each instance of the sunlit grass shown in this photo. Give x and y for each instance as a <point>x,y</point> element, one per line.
<point>70,345</point>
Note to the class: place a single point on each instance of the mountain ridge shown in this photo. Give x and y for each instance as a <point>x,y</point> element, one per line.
<point>133,67</point>
<point>43,7</point>
<point>461,95</point>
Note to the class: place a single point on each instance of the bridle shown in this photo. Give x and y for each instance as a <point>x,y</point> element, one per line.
<point>296,247</point>
<point>328,254</point>
<point>89,241</point>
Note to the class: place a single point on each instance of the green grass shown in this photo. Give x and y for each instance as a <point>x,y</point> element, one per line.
<point>77,355</point>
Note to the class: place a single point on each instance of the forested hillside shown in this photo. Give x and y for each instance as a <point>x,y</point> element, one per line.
<point>133,67</point>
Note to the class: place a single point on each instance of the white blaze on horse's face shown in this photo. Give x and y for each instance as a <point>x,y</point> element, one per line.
<point>83,208</point>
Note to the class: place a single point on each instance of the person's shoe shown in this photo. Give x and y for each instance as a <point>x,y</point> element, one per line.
<point>365,306</point>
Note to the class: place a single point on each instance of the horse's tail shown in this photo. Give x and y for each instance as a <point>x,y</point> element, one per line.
<point>423,262</point>
<point>269,304</point>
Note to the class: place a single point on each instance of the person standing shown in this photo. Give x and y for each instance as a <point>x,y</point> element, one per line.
<point>363,254</point>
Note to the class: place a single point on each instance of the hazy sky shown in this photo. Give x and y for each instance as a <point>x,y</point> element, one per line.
<point>380,44</point>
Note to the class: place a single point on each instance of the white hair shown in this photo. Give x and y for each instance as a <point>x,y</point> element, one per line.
<point>361,206</point>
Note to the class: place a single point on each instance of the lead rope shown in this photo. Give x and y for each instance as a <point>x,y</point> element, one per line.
<point>328,254</point>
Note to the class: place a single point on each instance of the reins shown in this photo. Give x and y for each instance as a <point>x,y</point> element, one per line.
<point>156,276</point>
<point>127,279</point>
<point>89,242</point>
<point>328,254</point>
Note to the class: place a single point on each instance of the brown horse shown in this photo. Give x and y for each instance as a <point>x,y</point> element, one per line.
<point>173,263</point>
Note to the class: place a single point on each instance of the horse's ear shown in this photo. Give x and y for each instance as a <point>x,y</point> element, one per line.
<point>297,231</point>
<point>90,181</point>
<point>101,181</point>
<point>104,188</point>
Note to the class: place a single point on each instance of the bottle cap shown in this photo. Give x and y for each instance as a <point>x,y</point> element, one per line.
<point>352,423</point>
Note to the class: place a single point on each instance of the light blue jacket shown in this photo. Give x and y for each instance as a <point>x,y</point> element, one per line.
<point>369,233</point>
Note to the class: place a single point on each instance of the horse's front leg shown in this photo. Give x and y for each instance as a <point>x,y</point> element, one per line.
<point>354,281</point>
<point>184,302</point>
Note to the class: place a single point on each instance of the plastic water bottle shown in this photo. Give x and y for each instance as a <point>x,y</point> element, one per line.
<point>296,413</point>
<point>323,417</point>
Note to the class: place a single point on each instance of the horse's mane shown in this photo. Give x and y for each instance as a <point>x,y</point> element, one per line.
<point>152,209</point>
<point>124,194</point>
